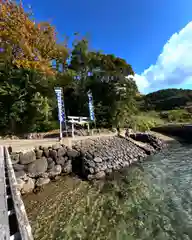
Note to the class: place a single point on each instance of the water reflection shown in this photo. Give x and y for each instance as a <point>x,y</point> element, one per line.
<point>149,202</point>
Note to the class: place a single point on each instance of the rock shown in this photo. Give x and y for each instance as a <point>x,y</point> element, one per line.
<point>56,146</point>
<point>42,181</point>
<point>18,167</point>
<point>108,171</point>
<point>89,156</point>
<point>14,158</point>
<point>58,169</point>
<point>55,171</point>
<point>53,154</point>
<point>90,177</point>
<point>98,160</point>
<point>20,184</point>
<point>72,153</point>
<point>44,175</point>
<point>49,160</point>
<point>20,174</point>
<point>51,165</point>
<point>57,177</point>
<point>28,186</point>
<point>89,163</point>
<point>61,152</point>
<point>39,153</point>
<point>39,166</point>
<point>100,175</point>
<point>103,167</point>
<point>32,175</point>
<point>91,170</point>
<point>97,170</point>
<point>67,168</point>
<point>46,152</point>
<point>60,161</point>
<point>38,175</point>
<point>26,158</point>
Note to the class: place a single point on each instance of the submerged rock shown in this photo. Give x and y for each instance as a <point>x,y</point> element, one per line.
<point>28,186</point>
<point>42,181</point>
<point>100,175</point>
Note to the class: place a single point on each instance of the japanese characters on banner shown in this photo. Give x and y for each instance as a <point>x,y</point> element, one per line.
<point>58,92</point>
<point>91,108</point>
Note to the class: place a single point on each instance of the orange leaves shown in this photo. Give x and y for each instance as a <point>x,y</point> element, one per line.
<point>33,45</point>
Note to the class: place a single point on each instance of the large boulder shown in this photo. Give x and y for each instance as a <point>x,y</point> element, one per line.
<point>28,157</point>
<point>39,166</point>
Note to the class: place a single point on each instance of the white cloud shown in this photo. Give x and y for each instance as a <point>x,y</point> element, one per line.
<point>173,66</point>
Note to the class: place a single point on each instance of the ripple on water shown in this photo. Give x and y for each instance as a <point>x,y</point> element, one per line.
<point>152,202</point>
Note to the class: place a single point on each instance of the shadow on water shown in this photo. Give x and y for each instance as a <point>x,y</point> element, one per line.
<point>149,202</point>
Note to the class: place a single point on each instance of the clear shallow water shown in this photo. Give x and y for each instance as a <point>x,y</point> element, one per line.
<point>150,201</point>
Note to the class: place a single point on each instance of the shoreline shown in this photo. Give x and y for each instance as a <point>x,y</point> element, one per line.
<point>164,137</point>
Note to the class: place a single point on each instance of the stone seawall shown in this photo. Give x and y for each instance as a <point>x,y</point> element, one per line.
<point>88,158</point>
<point>102,156</point>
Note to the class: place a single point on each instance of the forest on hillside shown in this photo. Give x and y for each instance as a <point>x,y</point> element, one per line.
<point>168,99</point>
<point>33,62</point>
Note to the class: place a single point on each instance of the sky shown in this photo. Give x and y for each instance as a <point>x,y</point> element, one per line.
<point>154,36</point>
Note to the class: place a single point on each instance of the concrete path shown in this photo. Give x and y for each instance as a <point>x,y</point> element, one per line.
<point>29,144</point>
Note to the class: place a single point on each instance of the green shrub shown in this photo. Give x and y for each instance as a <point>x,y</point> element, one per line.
<point>143,122</point>
<point>45,126</point>
<point>177,115</point>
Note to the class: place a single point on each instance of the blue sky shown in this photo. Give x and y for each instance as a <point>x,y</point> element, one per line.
<point>154,36</point>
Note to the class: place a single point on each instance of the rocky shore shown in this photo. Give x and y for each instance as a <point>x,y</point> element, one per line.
<point>90,159</point>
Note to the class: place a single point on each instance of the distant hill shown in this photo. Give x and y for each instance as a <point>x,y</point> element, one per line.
<point>167,99</point>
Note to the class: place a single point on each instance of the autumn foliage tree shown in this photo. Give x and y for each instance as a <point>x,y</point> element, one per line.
<point>33,63</point>
<point>25,43</point>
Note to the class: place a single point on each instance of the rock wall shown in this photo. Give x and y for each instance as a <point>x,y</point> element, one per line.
<point>151,140</point>
<point>88,158</point>
<point>102,156</point>
<point>36,168</point>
